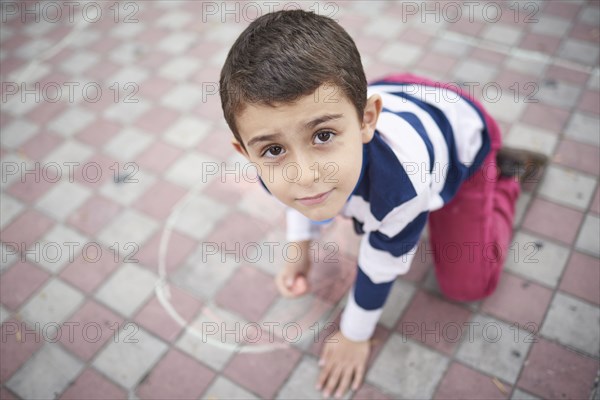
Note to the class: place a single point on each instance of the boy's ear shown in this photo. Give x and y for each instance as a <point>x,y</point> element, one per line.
<point>370,117</point>
<point>239,148</point>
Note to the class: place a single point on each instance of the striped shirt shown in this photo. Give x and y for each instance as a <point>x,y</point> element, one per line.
<point>428,140</point>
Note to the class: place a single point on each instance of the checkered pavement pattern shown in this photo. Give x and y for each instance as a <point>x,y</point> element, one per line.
<point>125,123</point>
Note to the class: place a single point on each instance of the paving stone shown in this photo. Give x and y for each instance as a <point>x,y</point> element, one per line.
<point>180,68</point>
<point>193,169</point>
<point>223,388</point>
<point>579,156</point>
<point>518,394</point>
<point>128,359</point>
<point>18,132</point>
<point>550,25</point>
<point>90,385</point>
<point>553,221</point>
<point>573,323</point>
<point>46,374</point>
<point>543,263</point>
<point>494,347</point>
<point>129,227</point>
<point>531,138</point>
<point>579,51</point>
<point>407,369</point>
<point>127,112</point>
<point>187,132</point>
<point>506,109</point>
<point>568,187</point>
<point>126,145</point>
<point>587,241</point>
<point>136,183</point>
<point>397,301</point>
<point>461,382</point>
<point>475,71</point>
<point>51,305</point>
<point>584,128</point>
<point>400,54</point>
<point>9,209</point>
<point>558,93</point>
<point>70,151</point>
<point>554,372</point>
<point>62,199</point>
<point>182,98</point>
<point>501,33</point>
<point>127,289</point>
<point>581,277</point>
<point>72,121</point>
<point>19,283</point>
<point>58,247</point>
<point>199,215</point>
<point>176,376</point>
<point>19,342</point>
<point>522,204</point>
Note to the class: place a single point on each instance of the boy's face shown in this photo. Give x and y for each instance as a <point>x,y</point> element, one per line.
<point>311,147</point>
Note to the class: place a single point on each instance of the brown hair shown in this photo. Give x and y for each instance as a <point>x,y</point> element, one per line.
<point>284,55</point>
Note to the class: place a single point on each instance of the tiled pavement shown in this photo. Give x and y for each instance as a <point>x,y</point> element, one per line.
<point>89,190</point>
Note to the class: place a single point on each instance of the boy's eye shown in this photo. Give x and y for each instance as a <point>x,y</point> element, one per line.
<point>274,151</point>
<point>324,136</point>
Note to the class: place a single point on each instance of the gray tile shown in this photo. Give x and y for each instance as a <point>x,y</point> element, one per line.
<point>301,384</point>
<point>17,132</point>
<point>558,93</point>
<point>584,128</point>
<point>588,241</point>
<point>52,304</point>
<point>407,369</point>
<point>594,80</point>
<point>202,278</point>
<point>383,27</point>
<point>521,395</point>
<point>71,121</point>
<point>127,289</point>
<point>179,68</point>
<point>174,19</point>
<point>579,51</point>
<point>573,323</point>
<point>475,71</point>
<point>590,14</point>
<point>400,54</point>
<point>129,227</point>
<point>213,337</point>
<point>187,132</point>
<point>399,297</point>
<point>223,388</point>
<point>182,98</point>
<point>494,347</point>
<point>450,47</point>
<point>177,42</point>
<point>505,109</point>
<point>537,259</point>
<point>128,144</point>
<point>131,356</point>
<point>127,112</point>
<point>521,207</point>
<point>528,137</point>
<point>193,169</point>
<point>46,374</point>
<point>568,187</point>
<point>199,216</point>
<point>4,314</point>
<point>79,62</point>
<point>128,191</point>
<point>62,199</point>
<point>69,151</point>
<point>550,25</point>
<point>502,33</point>
<point>9,209</point>
<point>60,246</point>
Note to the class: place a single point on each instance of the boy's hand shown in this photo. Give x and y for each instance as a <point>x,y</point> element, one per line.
<point>343,361</point>
<point>291,280</point>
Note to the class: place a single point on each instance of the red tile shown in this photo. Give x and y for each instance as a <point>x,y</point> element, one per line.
<point>105,45</point>
<point>416,36</point>
<point>544,116</point>
<point>6,395</point>
<point>98,133</point>
<point>517,85</point>
<point>379,70</point>
<point>239,228</point>
<point>507,302</point>
<point>157,120</point>
<point>155,318</point>
<point>88,274</point>
<point>46,110</point>
<point>590,102</point>
<point>461,382</point>
<point>541,43</point>
<point>86,331</point>
<point>155,87</point>
<point>158,157</point>
<point>585,32</point>
<point>19,282</point>
<point>434,322</point>
<point>332,274</point>
<point>554,372</point>
<point>39,146</point>
<point>436,62</point>
<point>32,186</point>
<point>489,56</point>
<point>19,342</point>
<point>27,228</point>
<point>99,105</point>
<point>249,293</point>
<point>368,45</point>
<point>91,385</point>
<point>566,74</point>
<point>176,376</point>
<point>97,170</point>
<point>94,214</point>
<point>595,206</point>
<point>552,221</point>
<point>563,9</point>
<point>581,277</point>
<point>217,144</point>
<point>210,106</point>
<point>178,249</point>
<point>101,71</point>
<point>226,192</point>
<point>465,26</point>
<point>158,201</point>
<point>263,373</point>
<point>580,156</point>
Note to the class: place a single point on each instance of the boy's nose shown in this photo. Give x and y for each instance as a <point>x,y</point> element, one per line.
<point>308,172</point>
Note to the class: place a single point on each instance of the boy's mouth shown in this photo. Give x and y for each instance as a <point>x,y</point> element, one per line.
<point>311,200</point>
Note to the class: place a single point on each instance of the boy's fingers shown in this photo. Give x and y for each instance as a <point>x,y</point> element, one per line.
<point>333,380</point>
<point>345,382</point>
<point>358,376</point>
<point>323,375</point>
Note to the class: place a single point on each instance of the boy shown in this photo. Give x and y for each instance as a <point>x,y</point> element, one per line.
<point>295,96</point>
